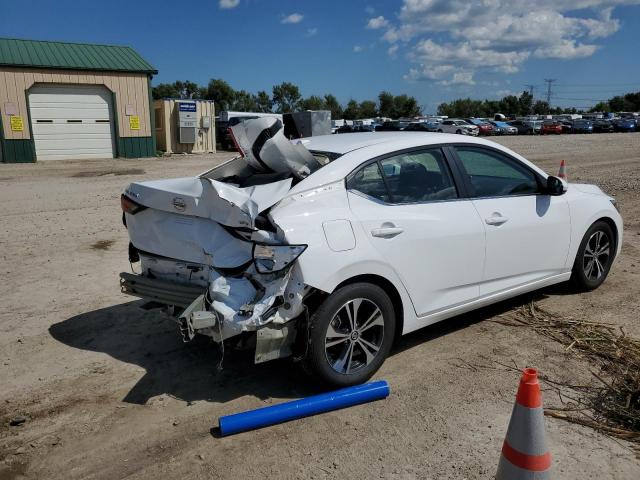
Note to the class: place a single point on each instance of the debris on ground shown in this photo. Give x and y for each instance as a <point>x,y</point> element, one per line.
<point>611,402</point>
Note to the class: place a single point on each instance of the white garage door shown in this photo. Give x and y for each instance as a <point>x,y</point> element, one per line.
<point>71,121</point>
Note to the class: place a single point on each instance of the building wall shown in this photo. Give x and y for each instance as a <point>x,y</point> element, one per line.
<point>166,127</point>
<point>128,89</point>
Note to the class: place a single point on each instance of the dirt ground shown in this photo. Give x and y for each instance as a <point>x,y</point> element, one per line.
<point>110,391</point>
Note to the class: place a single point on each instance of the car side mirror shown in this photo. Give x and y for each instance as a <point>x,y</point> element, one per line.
<point>555,186</point>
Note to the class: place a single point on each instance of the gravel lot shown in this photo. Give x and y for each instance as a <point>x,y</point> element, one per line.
<point>109,390</point>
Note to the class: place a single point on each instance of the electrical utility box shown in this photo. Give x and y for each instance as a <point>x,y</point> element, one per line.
<point>187,122</point>
<point>307,124</point>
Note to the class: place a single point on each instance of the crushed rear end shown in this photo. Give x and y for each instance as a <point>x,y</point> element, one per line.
<point>208,251</point>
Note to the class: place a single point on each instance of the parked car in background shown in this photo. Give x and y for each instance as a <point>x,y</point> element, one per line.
<point>484,127</point>
<point>602,126</point>
<point>624,125</point>
<point>551,127</point>
<point>417,127</point>
<point>567,126</point>
<point>503,128</point>
<point>422,227</point>
<point>393,126</point>
<point>526,127</point>
<point>345,129</point>
<point>456,125</point>
<point>433,124</point>
<point>582,126</point>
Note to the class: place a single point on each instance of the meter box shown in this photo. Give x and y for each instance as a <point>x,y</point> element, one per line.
<point>187,122</point>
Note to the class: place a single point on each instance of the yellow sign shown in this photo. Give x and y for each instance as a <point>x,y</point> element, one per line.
<point>17,125</point>
<point>134,122</point>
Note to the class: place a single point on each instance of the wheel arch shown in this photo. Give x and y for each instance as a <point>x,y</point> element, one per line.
<point>389,288</point>
<point>614,228</point>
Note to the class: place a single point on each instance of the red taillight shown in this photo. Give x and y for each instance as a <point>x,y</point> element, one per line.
<point>129,206</point>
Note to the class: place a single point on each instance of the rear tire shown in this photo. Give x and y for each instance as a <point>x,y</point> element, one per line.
<point>459,132</point>
<point>342,353</point>
<point>439,130</point>
<point>594,258</point>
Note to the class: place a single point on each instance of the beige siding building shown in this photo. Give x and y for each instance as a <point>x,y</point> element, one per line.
<point>167,126</point>
<point>64,100</point>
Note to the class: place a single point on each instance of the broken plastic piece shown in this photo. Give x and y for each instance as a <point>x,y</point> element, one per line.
<point>305,407</point>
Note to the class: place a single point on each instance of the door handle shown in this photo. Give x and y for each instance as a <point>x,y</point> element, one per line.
<point>386,232</point>
<point>496,219</point>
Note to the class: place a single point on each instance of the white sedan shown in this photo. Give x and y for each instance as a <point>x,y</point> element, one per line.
<point>329,248</point>
<point>461,127</point>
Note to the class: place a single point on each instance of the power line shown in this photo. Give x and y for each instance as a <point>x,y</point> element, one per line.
<point>530,88</point>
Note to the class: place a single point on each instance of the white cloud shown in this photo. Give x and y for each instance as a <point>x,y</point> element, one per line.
<point>392,50</point>
<point>228,3</point>
<point>293,18</point>
<point>450,40</point>
<point>377,23</point>
<point>357,49</point>
<point>311,32</point>
<point>370,10</point>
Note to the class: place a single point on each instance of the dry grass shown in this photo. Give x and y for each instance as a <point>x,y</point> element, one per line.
<point>610,402</point>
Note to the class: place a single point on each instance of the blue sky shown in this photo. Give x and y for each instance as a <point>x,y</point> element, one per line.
<point>436,50</point>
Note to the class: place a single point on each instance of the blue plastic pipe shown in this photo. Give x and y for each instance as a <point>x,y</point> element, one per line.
<point>305,407</point>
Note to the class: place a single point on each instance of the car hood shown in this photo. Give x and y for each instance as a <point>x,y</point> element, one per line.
<point>588,188</point>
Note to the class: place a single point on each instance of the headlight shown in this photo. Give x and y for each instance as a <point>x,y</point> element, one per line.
<point>273,258</point>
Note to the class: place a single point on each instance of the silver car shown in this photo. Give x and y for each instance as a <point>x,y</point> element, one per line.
<point>461,127</point>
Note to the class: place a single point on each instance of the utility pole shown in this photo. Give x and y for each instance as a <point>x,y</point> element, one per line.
<point>549,81</point>
<point>530,87</point>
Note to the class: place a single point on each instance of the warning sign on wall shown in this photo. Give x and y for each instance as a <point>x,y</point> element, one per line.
<point>134,122</point>
<point>17,125</point>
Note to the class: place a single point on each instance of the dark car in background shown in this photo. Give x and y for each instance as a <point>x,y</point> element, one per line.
<point>551,127</point>
<point>417,127</point>
<point>602,125</point>
<point>526,127</point>
<point>393,126</point>
<point>567,126</point>
<point>624,125</point>
<point>582,126</point>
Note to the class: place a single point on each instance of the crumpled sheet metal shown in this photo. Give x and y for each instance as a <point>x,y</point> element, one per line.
<point>230,294</point>
<point>266,149</point>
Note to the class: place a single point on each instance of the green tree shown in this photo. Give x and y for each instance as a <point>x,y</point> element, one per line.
<point>312,103</point>
<point>386,105</point>
<point>616,104</point>
<point>264,102</point>
<point>525,103</point>
<point>244,102</point>
<point>352,110</point>
<point>177,89</point>
<point>405,106</point>
<point>331,103</point>
<point>221,93</point>
<point>286,97</point>
<point>541,107</point>
<point>368,109</point>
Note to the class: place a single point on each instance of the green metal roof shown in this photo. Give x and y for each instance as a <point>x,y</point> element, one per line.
<point>71,56</point>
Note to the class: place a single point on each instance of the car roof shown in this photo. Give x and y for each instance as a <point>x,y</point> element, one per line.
<point>356,148</point>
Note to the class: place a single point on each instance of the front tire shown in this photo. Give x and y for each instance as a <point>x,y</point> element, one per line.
<point>351,335</point>
<point>594,258</point>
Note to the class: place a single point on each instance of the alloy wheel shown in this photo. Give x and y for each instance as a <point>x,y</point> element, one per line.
<point>596,255</point>
<point>354,336</point>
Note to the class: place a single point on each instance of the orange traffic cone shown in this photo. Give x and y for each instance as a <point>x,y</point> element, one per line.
<point>524,452</point>
<point>562,173</point>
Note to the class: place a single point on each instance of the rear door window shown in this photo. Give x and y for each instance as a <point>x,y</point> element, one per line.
<point>492,174</point>
<point>418,177</point>
<point>368,180</point>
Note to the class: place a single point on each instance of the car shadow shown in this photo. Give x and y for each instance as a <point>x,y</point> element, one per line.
<point>187,372</point>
